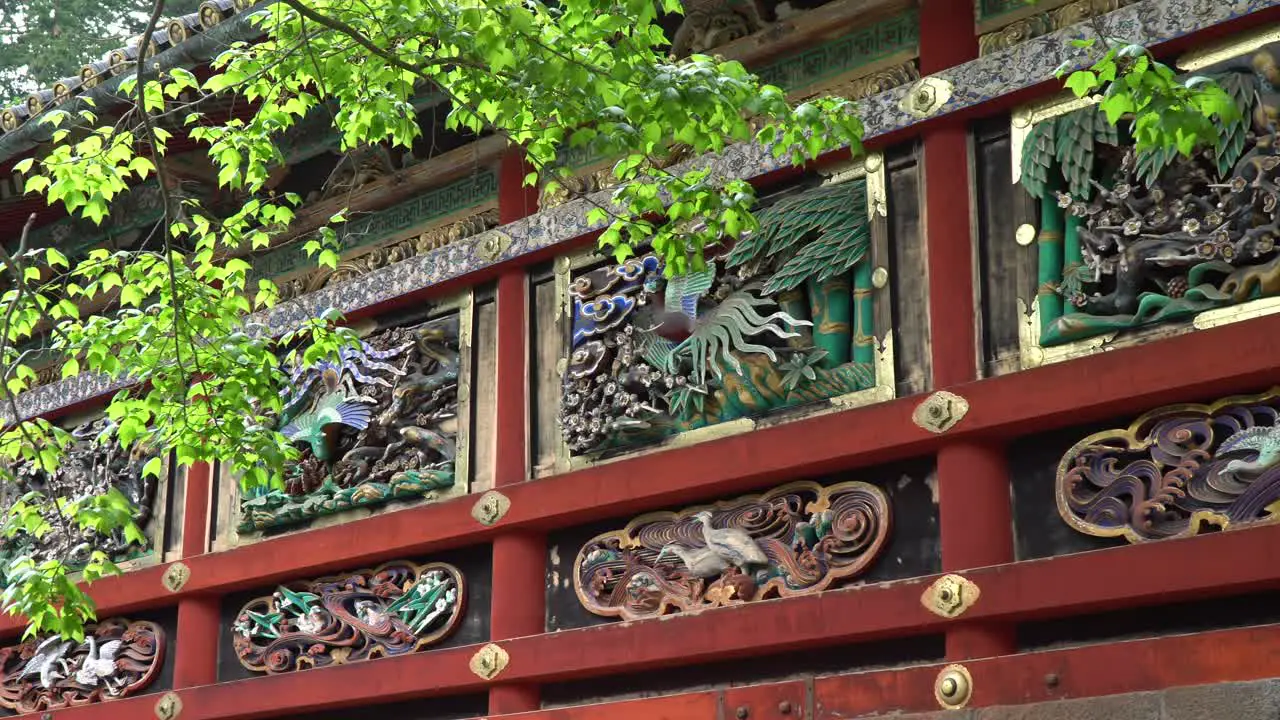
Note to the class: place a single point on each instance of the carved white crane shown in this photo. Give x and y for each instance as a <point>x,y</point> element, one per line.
<point>46,660</point>
<point>701,562</point>
<point>99,664</point>
<point>734,545</point>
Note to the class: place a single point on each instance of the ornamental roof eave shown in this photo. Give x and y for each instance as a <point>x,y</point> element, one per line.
<point>188,41</point>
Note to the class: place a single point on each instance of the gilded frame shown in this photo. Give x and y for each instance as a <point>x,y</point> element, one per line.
<point>226,534</point>
<point>871,167</point>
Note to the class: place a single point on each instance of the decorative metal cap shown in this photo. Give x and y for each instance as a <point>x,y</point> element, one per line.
<point>169,706</point>
<point>490,508</point>
<point>1026,234</point>
<point>492,245</point>
<point>489,661</point>
<point>176,577</point>
<point>927,96</point>
<point>953,688</point>
<point>940,411</point>
<point>950,596</point>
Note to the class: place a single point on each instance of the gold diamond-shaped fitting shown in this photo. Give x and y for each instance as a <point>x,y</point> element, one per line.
<point>489,661</point>
<point>940,411</point>
<point>176,577</point>
<point>169,706</point>
<point>954,687</point>
<point>950,596</point>
<point>490,508</point>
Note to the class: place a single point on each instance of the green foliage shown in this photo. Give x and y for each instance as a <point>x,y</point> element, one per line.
<point>171,314</point>
<point>43,41</point>
<point>1165,111</point>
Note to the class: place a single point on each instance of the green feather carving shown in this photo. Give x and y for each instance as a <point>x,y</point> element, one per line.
<point>831,221</point>
<point>1038,158</point>
<point>1243,89</point>
<point>726,329</point>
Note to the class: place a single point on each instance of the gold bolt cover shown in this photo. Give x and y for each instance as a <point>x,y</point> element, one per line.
<point>176,577</point>
<point>879,277</point>
<point>1026,234</point>
<point>490,508</point>
<point>940,411</point>
<point>169,706</point>
<point>950,596</point>
<point>953,688</point>
<point>489,661</point>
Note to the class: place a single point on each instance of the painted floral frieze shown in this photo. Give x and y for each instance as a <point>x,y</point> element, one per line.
<point>784,317</point>
<point>1129,239</point>
<point>379,426</point>
<point>395,609</point>
<point>117,658</point>
<point>1176,471</point>
<point>797,539</point>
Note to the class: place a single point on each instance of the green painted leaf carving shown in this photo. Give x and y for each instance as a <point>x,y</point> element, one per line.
<point>1243,89</point>
<point>726,329</point>
<point>1038,158</point>
<point>831,221</point>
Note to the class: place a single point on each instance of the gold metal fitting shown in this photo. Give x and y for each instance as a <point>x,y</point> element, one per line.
<point>940,411</point>
<point>176,577</point>
<point>1026,234</point>
<point>879,277</point>
<point>492,245</point>
<point>489,661</point>
<point>953,688</point>
<point>950,596</point>
<point>927,96</point>
<point>490,508</point>
<point>169,706</point>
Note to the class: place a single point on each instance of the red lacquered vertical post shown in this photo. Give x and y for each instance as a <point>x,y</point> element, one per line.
<point>518,593</point>
<point>973,479</point>
<point>196,656</point>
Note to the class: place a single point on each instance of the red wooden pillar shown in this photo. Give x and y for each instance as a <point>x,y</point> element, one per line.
<point>519,584</point>
<point>973,479</point>
<point>196,658</point>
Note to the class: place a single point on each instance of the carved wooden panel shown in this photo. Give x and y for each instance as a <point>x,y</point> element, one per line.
<point>409,440</point>
<point>794,540</point>
<point>94,464</point>
<point>397,608</point>
<point>1176,471</point>
<point>118,658</point>
<point>1133,245</point>
<point>792,321</point>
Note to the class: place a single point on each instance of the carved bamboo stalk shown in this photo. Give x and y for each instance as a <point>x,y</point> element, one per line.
<point>1050,251</point>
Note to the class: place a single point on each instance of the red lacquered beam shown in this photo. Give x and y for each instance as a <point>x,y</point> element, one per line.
<point>1198,366</point>
<point>1069,585</point>
<point>1218,656</point>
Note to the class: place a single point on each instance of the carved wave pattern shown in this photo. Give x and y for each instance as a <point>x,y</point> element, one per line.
<point>122,659</point>
<point>1176,470</point>
<point>395,609</point>
<point>810,536</point>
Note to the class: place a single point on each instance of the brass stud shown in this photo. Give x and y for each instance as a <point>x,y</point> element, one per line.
<point>489,661</point>
<point>880,277</point>
<point>176,577</point>
<point>940,411</point>
<point>169,706</point>
<point>1026,234</point>
<point>950,596</point>
<point>490,508</point>
<point>953,688</point>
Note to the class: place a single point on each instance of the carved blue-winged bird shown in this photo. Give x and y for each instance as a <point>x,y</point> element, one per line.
<point>1265,441</point>
<point>331,409</point>
<point>817,234</point>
